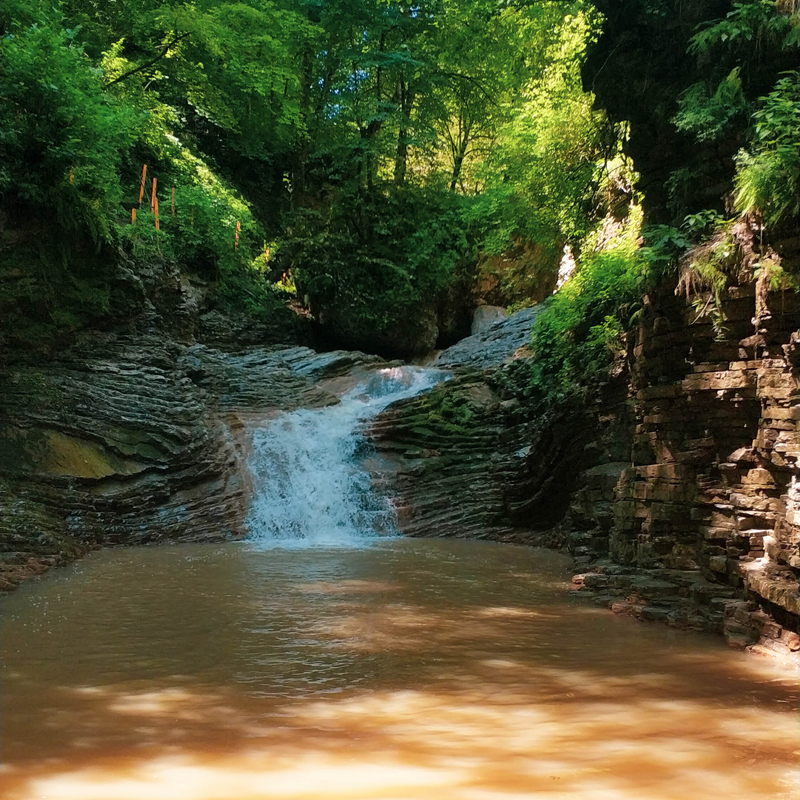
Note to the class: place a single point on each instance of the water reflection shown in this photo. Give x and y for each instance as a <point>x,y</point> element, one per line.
<point>410,670</point>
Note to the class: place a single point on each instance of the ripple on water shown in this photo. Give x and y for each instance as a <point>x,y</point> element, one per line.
<point>409,669</point>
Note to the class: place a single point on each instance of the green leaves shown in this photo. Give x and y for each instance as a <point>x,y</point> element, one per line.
<point>539,174</point>
<point>576,336</point>
<point>768,173</point>
<point>709,116</point>
<point>64,139</point>
<point>749,23</point>
<point>378,260</point>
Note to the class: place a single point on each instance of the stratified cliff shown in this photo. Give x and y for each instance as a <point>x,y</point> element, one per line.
<point>676,488</point>
<point>712,483</point>
<point>136,438</point>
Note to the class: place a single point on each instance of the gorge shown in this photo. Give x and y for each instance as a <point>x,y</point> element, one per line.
<point>437,435</point>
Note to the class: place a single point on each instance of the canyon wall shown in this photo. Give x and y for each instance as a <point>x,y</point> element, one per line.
<point>675,488</point>
<point>137,439</point>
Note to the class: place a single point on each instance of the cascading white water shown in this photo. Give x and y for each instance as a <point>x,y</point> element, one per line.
<point>309,489</point>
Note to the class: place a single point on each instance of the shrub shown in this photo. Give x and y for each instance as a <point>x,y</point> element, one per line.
<point>375,259</point>
<point>575,337</point>
<point>768,174</point>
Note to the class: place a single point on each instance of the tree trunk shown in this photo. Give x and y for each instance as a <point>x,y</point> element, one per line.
<point>458,156</point>
<point>406,97</point>
<point>298,185</point>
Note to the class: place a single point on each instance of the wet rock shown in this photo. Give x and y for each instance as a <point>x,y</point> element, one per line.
<point>132,439</point>
<point>476,480</point>
<point>493,345</point>
<point>486,316</point>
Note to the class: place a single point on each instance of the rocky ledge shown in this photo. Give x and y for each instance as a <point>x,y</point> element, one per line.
<point>136,439</point>
<point>676,490</point>
<point>469,459</point>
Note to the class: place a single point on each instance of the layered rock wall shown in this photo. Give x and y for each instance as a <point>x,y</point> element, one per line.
<point>136,439</point>
<point>677,489</point>
<point>711,485</point>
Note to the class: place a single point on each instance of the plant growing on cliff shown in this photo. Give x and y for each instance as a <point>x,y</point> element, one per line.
<point>768,172</point>
<point>709,113</point>
<point>576,337</point>
<point>756,24</point>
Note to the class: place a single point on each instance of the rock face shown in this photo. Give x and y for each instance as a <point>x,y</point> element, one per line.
<point>679,487</point>
<point>493,344</point>
<point>471,459</point>
<point>133,439</point>
<point>711,485</point>
<point>485,316</point>
<point>638,69</point>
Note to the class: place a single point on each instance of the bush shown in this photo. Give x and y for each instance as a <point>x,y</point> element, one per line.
<point>575,337</point>
<point>374,259</point>
<point>61,137</point>
<point>768,174</point>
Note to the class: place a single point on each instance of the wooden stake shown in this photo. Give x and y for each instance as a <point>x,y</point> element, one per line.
<point>133,216</point>
<point>155,211</point>
<point>141,183</point>
<point>153,199</point>
<point>236,236</point>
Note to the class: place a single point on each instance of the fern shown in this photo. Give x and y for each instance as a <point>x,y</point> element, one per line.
<point>708,117</point>
<point>768,174</point>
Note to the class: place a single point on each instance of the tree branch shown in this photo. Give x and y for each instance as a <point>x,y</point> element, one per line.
<point>468,78</point>
<point>147,64</point>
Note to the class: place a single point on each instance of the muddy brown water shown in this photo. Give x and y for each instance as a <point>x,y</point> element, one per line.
<point>408,669</point>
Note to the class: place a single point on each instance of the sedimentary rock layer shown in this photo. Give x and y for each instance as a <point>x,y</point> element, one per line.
<point>134,439</point>
<point>685,470</point>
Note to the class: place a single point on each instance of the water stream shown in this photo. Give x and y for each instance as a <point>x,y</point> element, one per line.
<point>324,659</point>
<point>309,489</point>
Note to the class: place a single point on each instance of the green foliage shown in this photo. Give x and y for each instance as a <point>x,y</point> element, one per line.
<point>709,116</point>
<point>62,139</point>
<point>775,275</point>
<point>539,176</point>
<point>88,94</point>
<point>576,336</point>
<point>379,143</point>
<point>663,245</point>
<point>379,259</point>
<point>768,173</point>
<point>758,23</point>
<point>739,57</point>
<point>708,267</point>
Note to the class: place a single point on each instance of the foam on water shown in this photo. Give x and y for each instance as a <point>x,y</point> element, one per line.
<point>309,489</point>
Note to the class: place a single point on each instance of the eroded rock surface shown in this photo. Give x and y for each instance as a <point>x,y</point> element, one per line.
<point>470,462</point>
<point>132,439</point>
<point>679,488</point>
<point>493,345</point>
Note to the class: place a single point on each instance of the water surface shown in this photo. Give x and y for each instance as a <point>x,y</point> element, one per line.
<point>404,669</point>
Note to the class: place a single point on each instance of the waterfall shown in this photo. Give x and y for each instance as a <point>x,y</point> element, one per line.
<point>308,486</point>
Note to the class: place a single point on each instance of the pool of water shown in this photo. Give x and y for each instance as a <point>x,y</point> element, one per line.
<point>402,669</point>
